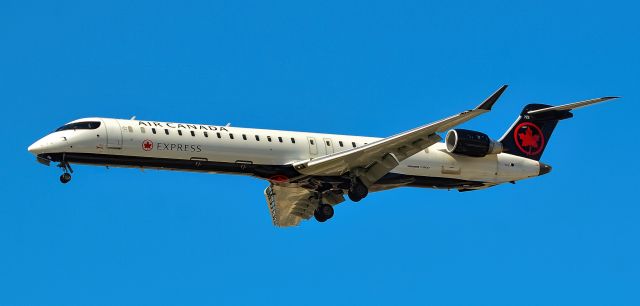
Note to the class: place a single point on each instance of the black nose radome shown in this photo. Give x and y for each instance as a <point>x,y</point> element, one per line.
<point>544,168</point>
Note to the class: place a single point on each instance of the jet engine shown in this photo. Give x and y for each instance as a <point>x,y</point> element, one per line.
<point>471,143</point>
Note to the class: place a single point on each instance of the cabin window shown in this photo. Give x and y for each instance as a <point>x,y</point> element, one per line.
<point>340,143</point>
<point>230,136</point>
<point>257,138</point>
<point>328,143</point>
<point>293,140</point>
<point>218,134</point>
<point>353,144</point>
<point>142,130</point>
<point>311,141</point>
<point>166,131</point>
<point>153,130</point>
<point>244,136</point>
<point>180,132</point>
<point>193,133</point>
<point>269,138</point>
<point>280,139</point>
<point>206,134</point>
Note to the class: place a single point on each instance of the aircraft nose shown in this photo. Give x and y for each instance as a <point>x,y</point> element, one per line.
<point>35,148</point>
<point>47,144</point>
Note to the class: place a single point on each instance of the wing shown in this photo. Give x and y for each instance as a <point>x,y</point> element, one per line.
<point>374,160</point>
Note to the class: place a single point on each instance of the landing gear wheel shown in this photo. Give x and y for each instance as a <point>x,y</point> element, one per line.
<point>323,213</point>
<point>65,178</point>
<point>358,191</point>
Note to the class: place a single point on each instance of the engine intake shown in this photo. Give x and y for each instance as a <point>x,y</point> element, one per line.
<point>471,143</point>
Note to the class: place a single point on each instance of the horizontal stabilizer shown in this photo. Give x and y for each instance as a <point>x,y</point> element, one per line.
<point>571,106</point>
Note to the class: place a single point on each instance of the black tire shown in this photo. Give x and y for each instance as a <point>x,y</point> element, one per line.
<point>65,178</point>
<point>319,217</point>
<point>323,213</point>
<point>327,211</point>
<point>358,192</point>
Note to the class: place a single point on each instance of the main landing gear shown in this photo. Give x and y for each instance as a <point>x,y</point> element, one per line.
<point>66,176</point>
<point>358,190</point>
<point>323,213</point>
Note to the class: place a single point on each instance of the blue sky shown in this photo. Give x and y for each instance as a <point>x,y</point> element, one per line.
<point>123,236</point>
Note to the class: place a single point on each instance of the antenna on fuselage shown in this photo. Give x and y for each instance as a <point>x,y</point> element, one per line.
<point>133,118</point>
<point>228,124</point>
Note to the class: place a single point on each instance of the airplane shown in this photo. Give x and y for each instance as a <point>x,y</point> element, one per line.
<point>309,173</point>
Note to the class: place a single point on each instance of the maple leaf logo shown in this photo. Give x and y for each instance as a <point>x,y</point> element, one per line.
<point>147,145</point>
<point>529,138</point>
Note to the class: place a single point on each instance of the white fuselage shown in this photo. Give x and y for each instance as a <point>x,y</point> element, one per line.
<point>119,142</point>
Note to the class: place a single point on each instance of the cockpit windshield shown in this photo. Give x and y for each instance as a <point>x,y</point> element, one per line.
<point>87,125</point>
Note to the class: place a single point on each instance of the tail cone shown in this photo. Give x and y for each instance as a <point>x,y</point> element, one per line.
<point>544,168</point>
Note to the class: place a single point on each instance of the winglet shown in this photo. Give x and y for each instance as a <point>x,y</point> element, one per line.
<point>488,103</point>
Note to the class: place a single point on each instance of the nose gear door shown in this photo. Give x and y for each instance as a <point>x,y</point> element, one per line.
<point>114,134</point>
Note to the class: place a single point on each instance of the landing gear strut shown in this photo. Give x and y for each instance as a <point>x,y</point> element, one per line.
<point>358,190</point>
<point>323,213</point>
<point>66,176</point>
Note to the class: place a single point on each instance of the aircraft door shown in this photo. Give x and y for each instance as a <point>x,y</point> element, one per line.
<point>114,134</point>
<point>328,145</point>
<point>313,147</point>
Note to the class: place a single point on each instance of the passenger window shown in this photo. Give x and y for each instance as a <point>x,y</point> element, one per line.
<point>193,133</point>
<point>166,131</point>
<point>311,141</point>
<point>206,134</point>
<point>142,130</point>
<point>257,138</point>
<point>244,136</point>
<point>328,143</point>
<point>293,140</point>
<point>353,144</point>
<point>180,132</point>
<point>153,130</point>
<point>341,144</point>
<point>269,138</point>
<point>219,136</point>
<point>280,139</point>
<point>230,136</point>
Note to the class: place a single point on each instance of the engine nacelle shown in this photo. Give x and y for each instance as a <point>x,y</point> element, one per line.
<point>471,143</point>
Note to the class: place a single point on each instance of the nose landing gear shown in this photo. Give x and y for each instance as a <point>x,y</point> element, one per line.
<point>66,176</point>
